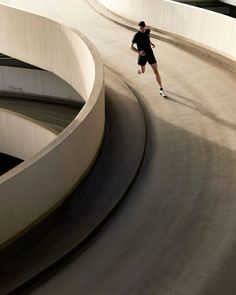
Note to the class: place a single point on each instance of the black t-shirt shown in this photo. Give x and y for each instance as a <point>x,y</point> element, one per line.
<point>143,41</point>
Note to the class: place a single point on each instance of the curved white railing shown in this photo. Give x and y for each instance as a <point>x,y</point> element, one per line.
<point>209,29</point>
<point>33,188</point>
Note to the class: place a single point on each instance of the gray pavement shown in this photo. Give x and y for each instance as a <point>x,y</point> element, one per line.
<point>52,113</point>
<point>91,204</point>
<point>175,233</point>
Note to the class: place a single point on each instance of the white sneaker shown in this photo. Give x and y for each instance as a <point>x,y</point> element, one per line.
<point>162,93</point>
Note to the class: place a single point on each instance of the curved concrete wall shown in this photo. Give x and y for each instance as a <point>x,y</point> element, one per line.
<point>21,137</point>
<point>209,29</point>
<point>33,81</point>
<point>231,2</point>
<point>33,188</point>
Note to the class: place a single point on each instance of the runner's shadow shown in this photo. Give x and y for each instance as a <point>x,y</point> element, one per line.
<point>196,106</point>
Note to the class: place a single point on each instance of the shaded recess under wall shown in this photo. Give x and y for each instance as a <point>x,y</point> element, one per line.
<point>8,162</point>
<point>57,113</point>
<point>6,60</point>
<point>213,5</point>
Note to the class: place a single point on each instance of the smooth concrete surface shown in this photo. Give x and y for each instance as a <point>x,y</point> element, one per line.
<point>181,42</point>
<point>14,128</point>
<point>6,60</point>
<point>207,28</point>
<point>92,202</point>
<point>55,114</point>
<point>175,232</point>
<point>35,81</point>
<point>63,163</point>
<point>231,2</point>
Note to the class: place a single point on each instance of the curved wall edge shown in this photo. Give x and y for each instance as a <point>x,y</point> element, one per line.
<point>23,81</point>
<point>34,187</point>
<point>209,29</point>
<point>21,136</point>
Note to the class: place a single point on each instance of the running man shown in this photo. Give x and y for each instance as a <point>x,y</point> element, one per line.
<point>144,50</point>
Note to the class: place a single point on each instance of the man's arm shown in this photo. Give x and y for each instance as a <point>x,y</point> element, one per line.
<point>152,44</point>
<point>142,53</point>
<point>134,48</point>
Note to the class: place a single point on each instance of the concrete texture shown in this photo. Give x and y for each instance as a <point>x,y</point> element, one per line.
<point>175,233</point>
<point>56,114</point>
<point>14,127</point>
<point>60,165</point>
<point>90,205</point>
<point>231,2</point>
<point>182,20</point>
<point>22,81</point>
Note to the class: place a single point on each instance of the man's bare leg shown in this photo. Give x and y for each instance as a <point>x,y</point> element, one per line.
<point>158,77</point>
<point>142,70</point>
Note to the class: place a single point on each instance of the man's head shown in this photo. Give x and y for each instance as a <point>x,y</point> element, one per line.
<point>142,26</point>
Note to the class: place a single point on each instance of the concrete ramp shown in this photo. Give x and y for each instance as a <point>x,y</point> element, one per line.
<point>175,232</point>
<point>56,114</point>
<point>66,231</point>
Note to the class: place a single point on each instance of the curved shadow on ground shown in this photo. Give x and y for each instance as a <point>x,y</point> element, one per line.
<point>90,205</point>
<point>178,220</point>
<point>198,107</point>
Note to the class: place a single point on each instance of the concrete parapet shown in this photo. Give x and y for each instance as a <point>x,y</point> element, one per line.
<point>40,183</point>
<point>35,82</point>
<point>21,137</point>
<point>206,28</point>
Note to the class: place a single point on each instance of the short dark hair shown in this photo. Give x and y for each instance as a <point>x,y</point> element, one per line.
<point>142,24</point>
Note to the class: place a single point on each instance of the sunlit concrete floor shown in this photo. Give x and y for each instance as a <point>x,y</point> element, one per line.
<point>175,232</point>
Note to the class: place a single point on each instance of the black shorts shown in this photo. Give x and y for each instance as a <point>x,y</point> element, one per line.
<point>150,58</point>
